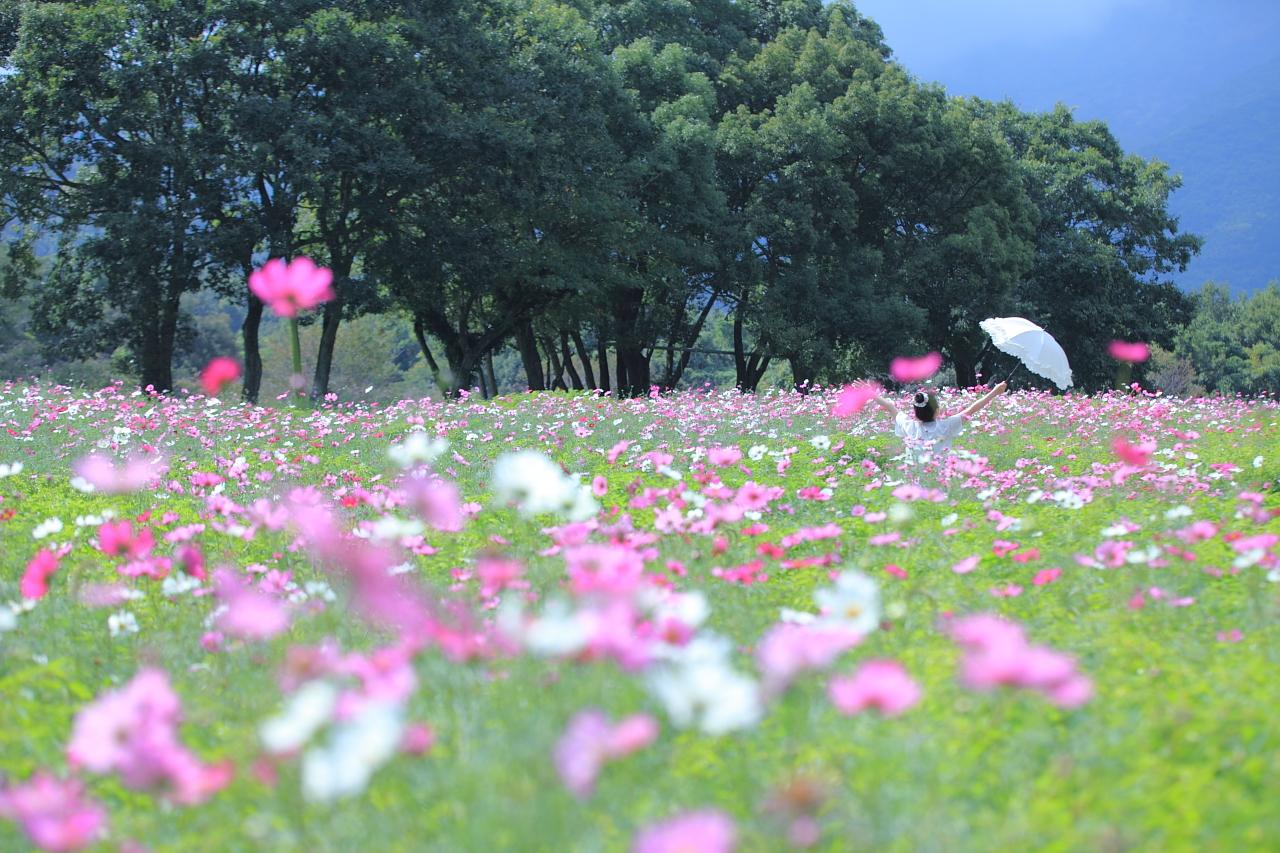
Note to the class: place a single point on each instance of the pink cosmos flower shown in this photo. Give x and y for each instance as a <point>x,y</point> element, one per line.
<point>54,813</point>
<point>293,287</point>
<point>418,739</point>
<point>966,565</point>
<point>997,653</point>
<point>705,831</point>
<point>35,580</point>
<point>599,485</point>
<point>250,614</point>
<point>1046,576</point>
<point>117,538</point>
<point>1134,353</point>
<point>217,373</point>
<point>788,649</point>
<point>437,503</point>
<point>589,741</point>
<point>724,456</point>
<point>136,473</point>
<point>854,398</point>
<point>133,732</point>
<point>904,369</point>
<point>1136,455</point>
<point>880,684</point>
<point>497,574</point>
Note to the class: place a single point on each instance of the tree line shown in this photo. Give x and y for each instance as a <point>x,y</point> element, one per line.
<point>585,181</point>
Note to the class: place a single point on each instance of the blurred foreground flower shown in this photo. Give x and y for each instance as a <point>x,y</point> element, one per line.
<point>54,813</point>
<point>904,369</point>
<point>217,373</point>
<point>706,831</point>
<point>590,740</point>
<point>292,287</point>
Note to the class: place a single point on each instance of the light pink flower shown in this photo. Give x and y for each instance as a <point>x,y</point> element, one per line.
<point>904,369</point>
<point>854,398</point>
<point>599,485</point>
<point>788,649</point>
<point>293,287</point>
<point>589,741</point>
<point>966,565</point>
<point>250,614</point>
<point>136,473</point>
<point>880,684</point>
<point>724,456</point>
<point>705,831</point>
<point>437,502</point>
<point>1131,352</point>
<point>217,373</point>
<point>53,812</point>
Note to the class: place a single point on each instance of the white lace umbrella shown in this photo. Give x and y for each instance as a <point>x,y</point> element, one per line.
<point>1031,345</point>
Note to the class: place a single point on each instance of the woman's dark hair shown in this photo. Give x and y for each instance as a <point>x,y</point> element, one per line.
<point>925,405</point>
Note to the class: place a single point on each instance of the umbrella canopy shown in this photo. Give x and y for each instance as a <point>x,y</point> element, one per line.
<point>1032,346</point>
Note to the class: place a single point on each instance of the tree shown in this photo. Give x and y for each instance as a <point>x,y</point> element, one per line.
<point>1234,344</point>
<point>113,136</point>
<point>1104,240</point>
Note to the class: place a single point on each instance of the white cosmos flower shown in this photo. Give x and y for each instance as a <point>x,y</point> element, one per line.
<point>356,748</point>
<point>8,619</point>
<point>1178,512</point>
<point>757,452</point>
<point>820,442</point>
<point>48,527</point>
<point>1257,462</point>
<point>389,528</point>
<point>853,603</point>
<point>122,622</point>
<point>15,468</point>
<point>309,708</point>
<point>535,485</point>
<point>417,448</point>
<point>178,583</point>
<point>698,687</point>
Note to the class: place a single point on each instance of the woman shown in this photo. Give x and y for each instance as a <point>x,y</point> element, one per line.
<point>926,434</point>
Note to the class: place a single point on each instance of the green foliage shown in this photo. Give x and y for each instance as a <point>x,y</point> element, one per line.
<point>569,177</point>
<point>1234,345</point>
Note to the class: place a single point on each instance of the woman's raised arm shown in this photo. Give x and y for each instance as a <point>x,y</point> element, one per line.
<point>982,402</point>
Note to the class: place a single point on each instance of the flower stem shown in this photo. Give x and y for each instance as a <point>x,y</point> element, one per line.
<point>295,347</point>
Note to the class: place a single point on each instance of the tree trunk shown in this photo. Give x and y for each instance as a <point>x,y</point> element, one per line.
<point>740,350</point>
<point>529,357</point>
<point>252,385</point>
<point>585,359</point>
<point>568,362</point>
<point>602,352</point>
<point>324,354</point>
<point>801,375</point>
<point>556,373</point>
<point>966,372</point>
<point>624,381</point>
<point>420,332</point>
<point>488,368</point>
<point>484,385</point>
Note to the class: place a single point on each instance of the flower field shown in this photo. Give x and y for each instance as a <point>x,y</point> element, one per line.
<point>570,622</point>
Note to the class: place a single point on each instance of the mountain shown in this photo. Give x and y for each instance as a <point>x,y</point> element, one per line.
<point>1194,84</point>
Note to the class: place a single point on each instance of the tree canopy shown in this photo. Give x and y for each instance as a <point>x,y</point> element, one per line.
<point>585,183</point>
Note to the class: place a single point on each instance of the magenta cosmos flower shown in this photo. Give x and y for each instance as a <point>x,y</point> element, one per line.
<point>1131,352</point>
<point>854,398</point>
<point>915,369</point>
<point>217,373</point>
<point>293,287</point>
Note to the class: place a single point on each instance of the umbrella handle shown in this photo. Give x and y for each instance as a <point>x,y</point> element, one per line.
<point>1012,372</point>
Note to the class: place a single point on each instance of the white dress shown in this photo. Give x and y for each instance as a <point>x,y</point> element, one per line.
<point>926,440</point>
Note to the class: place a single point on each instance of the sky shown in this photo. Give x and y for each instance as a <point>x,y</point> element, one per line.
<point>1193,82</point>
